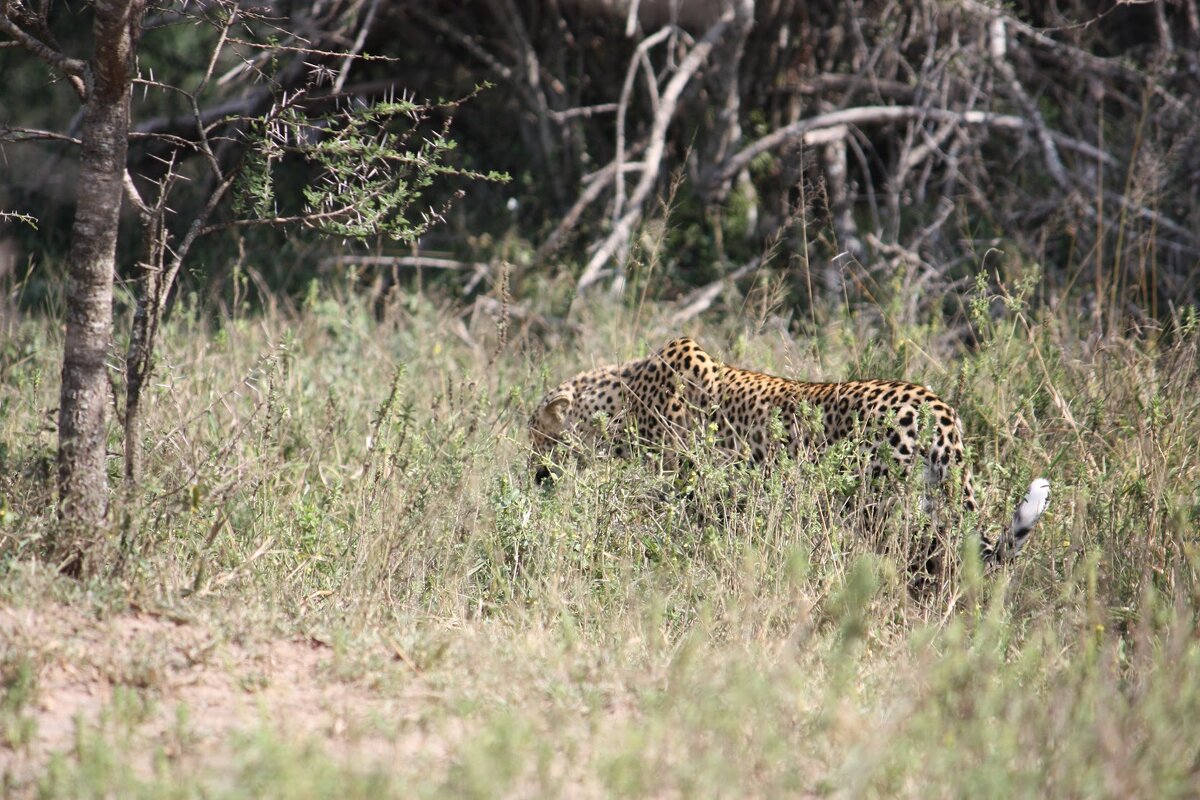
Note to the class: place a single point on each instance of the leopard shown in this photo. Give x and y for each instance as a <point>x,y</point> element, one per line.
<point>664,401</point>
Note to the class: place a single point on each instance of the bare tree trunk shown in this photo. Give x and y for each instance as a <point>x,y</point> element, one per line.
<point>82,481</point>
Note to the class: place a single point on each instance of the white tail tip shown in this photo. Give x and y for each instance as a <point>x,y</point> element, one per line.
<point>1030,509</point>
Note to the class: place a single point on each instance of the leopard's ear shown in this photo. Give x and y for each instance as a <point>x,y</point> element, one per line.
<point>556,407</point>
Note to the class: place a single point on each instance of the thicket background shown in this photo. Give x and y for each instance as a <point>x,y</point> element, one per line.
<point>1063,135</point>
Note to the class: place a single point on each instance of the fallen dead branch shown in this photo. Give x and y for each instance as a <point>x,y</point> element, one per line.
<point>699,300</point>
<point>838,122</point>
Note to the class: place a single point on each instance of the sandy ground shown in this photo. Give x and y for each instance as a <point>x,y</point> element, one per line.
<point>225,685</point>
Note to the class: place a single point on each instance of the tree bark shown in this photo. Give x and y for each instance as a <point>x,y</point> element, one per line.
<point>82,478</point>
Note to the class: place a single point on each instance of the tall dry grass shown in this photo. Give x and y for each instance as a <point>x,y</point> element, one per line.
<point>326,469</point>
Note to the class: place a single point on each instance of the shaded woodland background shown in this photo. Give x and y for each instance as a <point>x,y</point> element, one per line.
<point>850,148</point>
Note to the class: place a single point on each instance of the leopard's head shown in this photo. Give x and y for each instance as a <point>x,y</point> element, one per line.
<point>549,427</point>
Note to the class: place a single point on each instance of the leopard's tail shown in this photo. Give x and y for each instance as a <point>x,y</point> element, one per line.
<point>1026,516</point>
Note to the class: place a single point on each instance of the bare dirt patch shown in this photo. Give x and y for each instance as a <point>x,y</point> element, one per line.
<point>223,684</point>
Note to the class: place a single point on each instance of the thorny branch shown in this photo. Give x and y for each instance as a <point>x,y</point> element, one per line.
<point>42,45</point>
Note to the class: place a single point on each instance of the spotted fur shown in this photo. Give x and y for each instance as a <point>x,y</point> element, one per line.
<point>665,400</point>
